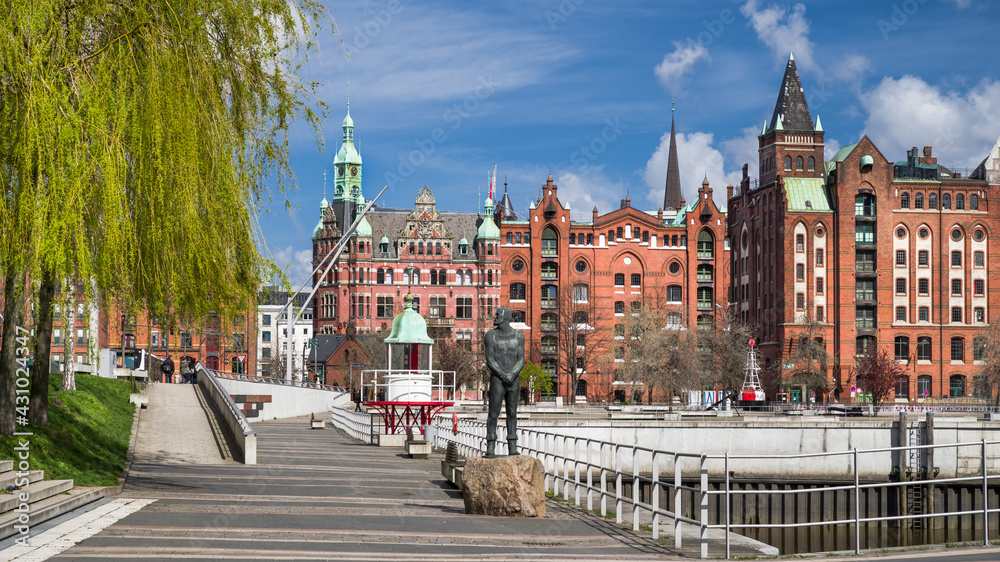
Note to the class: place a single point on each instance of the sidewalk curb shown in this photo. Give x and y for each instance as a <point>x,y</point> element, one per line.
<point>129,456</point>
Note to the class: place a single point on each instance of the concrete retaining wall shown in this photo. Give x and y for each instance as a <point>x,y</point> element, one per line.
<point>776,437</point>
<point>236,422</point>
<point>285,401</point>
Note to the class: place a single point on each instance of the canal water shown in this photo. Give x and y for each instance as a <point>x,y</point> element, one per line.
<point>826,538</point>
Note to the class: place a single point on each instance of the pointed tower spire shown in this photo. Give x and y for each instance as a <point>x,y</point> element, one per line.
<point>791,109</point>
<point>672,194</point>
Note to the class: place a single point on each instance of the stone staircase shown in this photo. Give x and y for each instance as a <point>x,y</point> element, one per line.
<point>45,498</point>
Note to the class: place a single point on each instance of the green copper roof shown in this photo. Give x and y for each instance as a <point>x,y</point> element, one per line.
<point>806,194</point>
<point>488,229</point>
<point>322,208</point>
<point>408,326</point>
<point>843,152</point>
<point>364,229</point>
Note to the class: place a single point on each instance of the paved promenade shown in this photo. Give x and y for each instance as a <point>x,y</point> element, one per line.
<point>317,495</point>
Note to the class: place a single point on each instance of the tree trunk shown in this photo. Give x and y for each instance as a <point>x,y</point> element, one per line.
<point>13,311</point>
<point>39,404</point>
<point>69,347</point>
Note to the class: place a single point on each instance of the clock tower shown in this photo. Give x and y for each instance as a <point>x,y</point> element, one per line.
<point>347,172</point>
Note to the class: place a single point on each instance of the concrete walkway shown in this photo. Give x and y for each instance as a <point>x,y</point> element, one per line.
<point>317,495</point>
<point>179,427</point>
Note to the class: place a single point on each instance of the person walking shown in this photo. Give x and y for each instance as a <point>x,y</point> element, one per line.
<point>193,365</point>
<point>185,370</point>
<point>168,369</point>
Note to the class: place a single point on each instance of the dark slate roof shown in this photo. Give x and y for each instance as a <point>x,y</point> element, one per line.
<point>672,193</point>
<point>791,104</point>
<point>505,209</point>
<point>273,295</point>
<point>325,345</point>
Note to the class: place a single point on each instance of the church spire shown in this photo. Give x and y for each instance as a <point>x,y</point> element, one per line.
<point>791,112</point>
<point>672,195</point>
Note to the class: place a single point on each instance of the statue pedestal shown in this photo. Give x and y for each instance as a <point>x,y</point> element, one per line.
<point>505,486</point>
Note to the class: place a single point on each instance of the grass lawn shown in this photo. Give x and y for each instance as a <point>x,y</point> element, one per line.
<point>88,432</point>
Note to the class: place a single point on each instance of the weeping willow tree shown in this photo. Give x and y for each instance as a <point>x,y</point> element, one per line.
<point>137,142</point>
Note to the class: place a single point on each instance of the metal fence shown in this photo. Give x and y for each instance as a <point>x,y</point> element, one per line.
<point>580,469</point>
<point>359,425</point>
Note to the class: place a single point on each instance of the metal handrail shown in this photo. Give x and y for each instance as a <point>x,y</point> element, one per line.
<point>241,418</point>
<point>356,424</point>
<point>275,380</point>
<point>563,463</point>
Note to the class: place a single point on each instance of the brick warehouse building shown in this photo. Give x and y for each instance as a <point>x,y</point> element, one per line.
<point>862,250</point>
<point>602,268</point>
<point>450,261</point>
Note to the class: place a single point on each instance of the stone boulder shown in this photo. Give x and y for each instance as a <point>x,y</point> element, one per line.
<point>505,486</point>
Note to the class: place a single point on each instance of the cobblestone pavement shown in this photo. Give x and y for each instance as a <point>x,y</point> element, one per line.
<point>318,495</point>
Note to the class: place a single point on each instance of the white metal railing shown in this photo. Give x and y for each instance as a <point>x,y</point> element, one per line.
<point>572,463</point>
<point>359,425</point>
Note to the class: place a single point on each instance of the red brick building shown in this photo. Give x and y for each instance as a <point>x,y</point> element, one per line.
<point>606,268</point>
<point>861,251</point>
<point>449,261</point>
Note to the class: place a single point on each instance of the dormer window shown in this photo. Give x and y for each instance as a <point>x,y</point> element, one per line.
<point>463,249</point>
<point>383,247</point>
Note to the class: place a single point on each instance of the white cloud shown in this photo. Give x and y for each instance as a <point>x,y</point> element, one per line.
<point>830,148</point>
<point>698,158</point>
<point>782,30</point>
<point>585,189</point>
<point>908,112</point>
<point>297,264</point>
<point>852,68</point>
<point>678,63</point>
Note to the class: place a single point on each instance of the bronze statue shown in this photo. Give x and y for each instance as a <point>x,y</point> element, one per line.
<point>504,358</point>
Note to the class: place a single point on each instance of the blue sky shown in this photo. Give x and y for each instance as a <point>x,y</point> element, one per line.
<point>584,88</point>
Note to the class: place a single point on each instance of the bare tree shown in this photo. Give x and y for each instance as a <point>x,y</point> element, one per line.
<point>455,356</point>
<point>810,357</point>
<point>723,350</point>
<point>987,382</point>
<point>876,373</point>
<point>575,334</point>
<point>654,349</point>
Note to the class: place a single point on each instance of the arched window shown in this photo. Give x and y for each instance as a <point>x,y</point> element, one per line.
<point>904,200</point>
<point>517,291</point>
<point>864,344</point>
<point>416,277</point>
<point>388,277</point>
<point>811,163</point>
<point>550,270</point>
<point>581,292</point>
<point>550,242</point>
<point>580,317</point>
<point>959,201</point>
<point>489,277</point>
<point>978,348</point>
<point>549,320</point>
<point>903,387</point>
<point>924,348</point>
<point>704,273</point>
<point>673,240</point>
<point>973,202</point>
<point>956,386</point>
<point>510,237</point>
<point>675,294</point>
<point>902,348</point>
<point>923,386</point>
<point>788,163</point>
<point>798,163</point>
<point>468,277</point>
<point>932,200</point>
<point>864,205</point>
<point>549,295</point>
<point>572,239</point>
<point>434,277</point>
<point>380,277</point>
<point>946,201</point>
<point>420,248</point>
<point>437,248</point>
<point>549,344</point>
<point>957,349</point>
<point>705,298</point>
<point>705,245</point>
<point>918,200</point>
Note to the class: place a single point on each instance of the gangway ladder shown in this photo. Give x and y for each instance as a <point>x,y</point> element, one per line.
<point>752,391</point>
<point>915,493</point>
